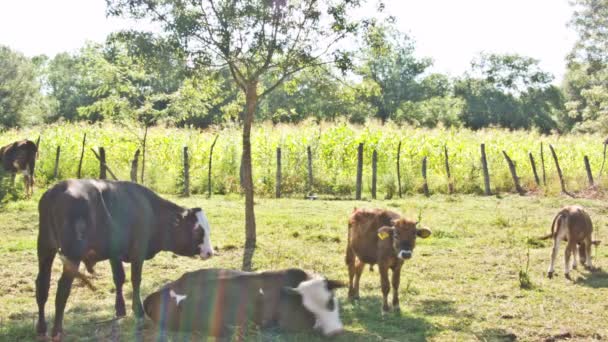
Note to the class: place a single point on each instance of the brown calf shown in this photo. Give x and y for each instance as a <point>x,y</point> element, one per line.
<point>571,224</point>
<point>383,237</point>
<point>20,156</point>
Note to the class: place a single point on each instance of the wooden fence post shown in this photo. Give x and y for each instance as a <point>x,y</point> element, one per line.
<point>399,168</point>
<point>447,170</point>
<point>359,170</point>
<point>278,183</point>
<point>186,172</point>
<point>559,172</point>
<point>513,171</point>
<point>589,174</point>
<point>134,166</point>
<point>103,166</point>
<point>374,170</point>
<point>486,174</point>
<point>310,179</point>
<point>425,185</point>
<point>84,141</point>
<point>209,171</point>
<point>102,163</point>
<point>143,155</point>
<point>603,161</point>
<point>56,172</point>
<point>533,164</point>
<point>542,162</point>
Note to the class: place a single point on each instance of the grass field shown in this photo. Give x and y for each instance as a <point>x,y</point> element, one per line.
<point>461,285</point>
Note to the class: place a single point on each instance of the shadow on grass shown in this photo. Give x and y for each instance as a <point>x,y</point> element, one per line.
<point>596,279</point>
<point>365,314</point>
<point>498,335</point>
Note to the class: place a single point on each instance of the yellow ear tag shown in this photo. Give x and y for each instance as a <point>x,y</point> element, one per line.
<point>383,235</point>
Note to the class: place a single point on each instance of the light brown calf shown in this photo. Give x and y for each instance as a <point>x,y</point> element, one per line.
<point>383,237</point>
<point>571,224</point>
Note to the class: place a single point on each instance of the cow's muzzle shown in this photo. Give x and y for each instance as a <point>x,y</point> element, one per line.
<point>404,255</point>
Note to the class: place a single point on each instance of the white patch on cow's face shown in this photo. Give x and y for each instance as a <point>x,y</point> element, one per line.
<point>178,297</point>
<point>205,248</point>
<point>315,298</point>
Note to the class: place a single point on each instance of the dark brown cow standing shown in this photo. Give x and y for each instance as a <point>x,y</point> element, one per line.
<point>94,220</point>
<point>20,156</point>
<point>218,301</point>
<point>383,237</point>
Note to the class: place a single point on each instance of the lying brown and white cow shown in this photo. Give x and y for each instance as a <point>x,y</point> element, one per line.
<point>20,156</point>
<point>383,237</point>
<point>218,301</point>
<point>571,224</point>
<point>94,220</point>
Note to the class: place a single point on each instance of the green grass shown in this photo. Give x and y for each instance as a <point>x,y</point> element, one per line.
<point>462,284</point>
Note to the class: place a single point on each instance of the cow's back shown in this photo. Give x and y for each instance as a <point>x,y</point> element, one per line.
<point>363,235</point>
<point>580,226</point>
<point>98,215</point>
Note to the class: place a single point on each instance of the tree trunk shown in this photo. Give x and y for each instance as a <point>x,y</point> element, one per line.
<point>251,98</point>
<point>425,184</point>
<point>134,166</point>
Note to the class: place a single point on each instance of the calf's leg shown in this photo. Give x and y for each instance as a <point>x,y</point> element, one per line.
<point>395,282</point>
<point>359,266</point>
<point>43,282</point>
<point>386,287</point>
<point>570,249</point>
<point>63,292</point>
<point>118,274</point>
<point>554,252</point>
<point>588,263</point>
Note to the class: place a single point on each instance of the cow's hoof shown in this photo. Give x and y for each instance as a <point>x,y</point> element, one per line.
<point>550,275</point>
<point>121,311</point>
<point>567,275</point>
<point>353,297</point>
<point>574,267</point>
<point>385,309</point>
<point>396,308</point>
<point>58,337</point>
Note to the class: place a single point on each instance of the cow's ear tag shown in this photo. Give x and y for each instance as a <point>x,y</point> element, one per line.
<point>382,235</point>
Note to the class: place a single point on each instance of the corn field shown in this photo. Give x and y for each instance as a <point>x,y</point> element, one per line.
<point>334,157</point>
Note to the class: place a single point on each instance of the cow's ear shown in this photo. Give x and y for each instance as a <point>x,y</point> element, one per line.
<point>423,232</point>
<point>184,214</point>
<point>334,284</point>
<point>386,229</point>
<point>289,291</point>
<point>196,210</point>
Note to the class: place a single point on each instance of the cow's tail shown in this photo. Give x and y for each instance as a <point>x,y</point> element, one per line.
<point>554,229</point>
<point>350,256</point>
<point>74,247</point>
<point>71,270</point>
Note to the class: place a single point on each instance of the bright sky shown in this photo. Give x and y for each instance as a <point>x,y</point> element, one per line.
<point>450,32</point>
